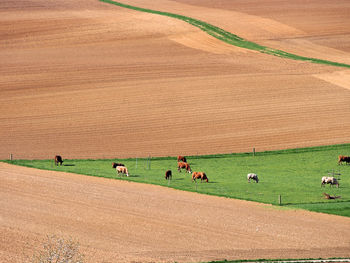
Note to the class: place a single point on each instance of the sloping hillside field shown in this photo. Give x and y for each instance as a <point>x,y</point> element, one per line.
<point>140,82</point>
<point>89,79</point>
<point>120,221</point>
<point>229,37</point>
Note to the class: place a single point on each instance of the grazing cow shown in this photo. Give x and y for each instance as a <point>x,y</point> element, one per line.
<point>181,159</point>
<point>58,160</point>
<point>199,175</point>
<point>182,165</point>
<point>253,177</point>
<point>343,158</point>
<point>168,175</point>
<point>122,169</point>
<point>114,165</point>
<point>327,196</point>
<point>329,180</point>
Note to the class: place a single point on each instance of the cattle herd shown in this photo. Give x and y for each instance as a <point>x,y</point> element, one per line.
<point>182,164</point>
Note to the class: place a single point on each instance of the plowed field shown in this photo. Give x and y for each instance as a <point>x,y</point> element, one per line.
<point>87,79</point>
<point>116,221</point>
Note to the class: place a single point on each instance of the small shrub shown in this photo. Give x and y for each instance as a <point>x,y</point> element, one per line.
<point>58,250</point>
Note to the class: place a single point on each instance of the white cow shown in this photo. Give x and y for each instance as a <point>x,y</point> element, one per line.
<point>253,176</point>
<point>329,180</point>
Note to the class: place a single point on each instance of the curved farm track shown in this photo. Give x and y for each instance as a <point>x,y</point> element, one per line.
<point>118,221</point>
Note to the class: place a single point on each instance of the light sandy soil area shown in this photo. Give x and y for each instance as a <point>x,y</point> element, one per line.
<point>86,79</point>
<point>117,221</point>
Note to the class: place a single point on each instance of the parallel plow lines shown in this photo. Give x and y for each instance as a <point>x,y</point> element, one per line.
<point>230,38</point>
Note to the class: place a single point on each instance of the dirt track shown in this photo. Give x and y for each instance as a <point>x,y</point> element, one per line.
<point>86,79</point>
<point>127,222</point>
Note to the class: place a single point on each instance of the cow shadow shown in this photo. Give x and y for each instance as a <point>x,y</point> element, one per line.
<point>210,182</point>
<point>125,177</point>
<point>177,179</point>
<point>133,175</point>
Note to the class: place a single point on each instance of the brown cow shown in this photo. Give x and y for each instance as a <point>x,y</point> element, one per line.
<point>181,158</point>
<point>168,175</point>
<point>199,175</point>
<point>123,170</point>
<point>343,158</point>
<point>327,196</point>
<point>58,160</point>
<point>114,165</point>
<point>182,165</point>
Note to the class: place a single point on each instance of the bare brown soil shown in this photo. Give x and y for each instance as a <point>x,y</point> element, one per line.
<point>86,79</point>
<point>117,221</point>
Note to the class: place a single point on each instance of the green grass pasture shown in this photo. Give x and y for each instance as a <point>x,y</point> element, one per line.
<point>228,37</point>
<point>282,260</point>
<point>294,174</point>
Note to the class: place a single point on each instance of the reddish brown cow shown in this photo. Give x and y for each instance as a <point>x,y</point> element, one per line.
<point>199,175</point>
<point>327,196</point>
<point>114,165</point>
<point>343,158</point>
<point>58,160</point>
<point>181,159</point>
<point>168,175</point>
<point>182,165</point>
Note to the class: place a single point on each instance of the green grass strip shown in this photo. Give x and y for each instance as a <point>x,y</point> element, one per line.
<point>230,38</point>
<point>334,259</point>
<point>293,174</point>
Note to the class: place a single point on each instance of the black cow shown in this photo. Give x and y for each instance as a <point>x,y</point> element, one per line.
<point>58,160</point>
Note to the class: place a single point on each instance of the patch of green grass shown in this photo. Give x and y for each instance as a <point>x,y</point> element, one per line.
<point>229,37</point>
<point>273,260</point>
<point>338,208</point>
<point>294,174</point>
